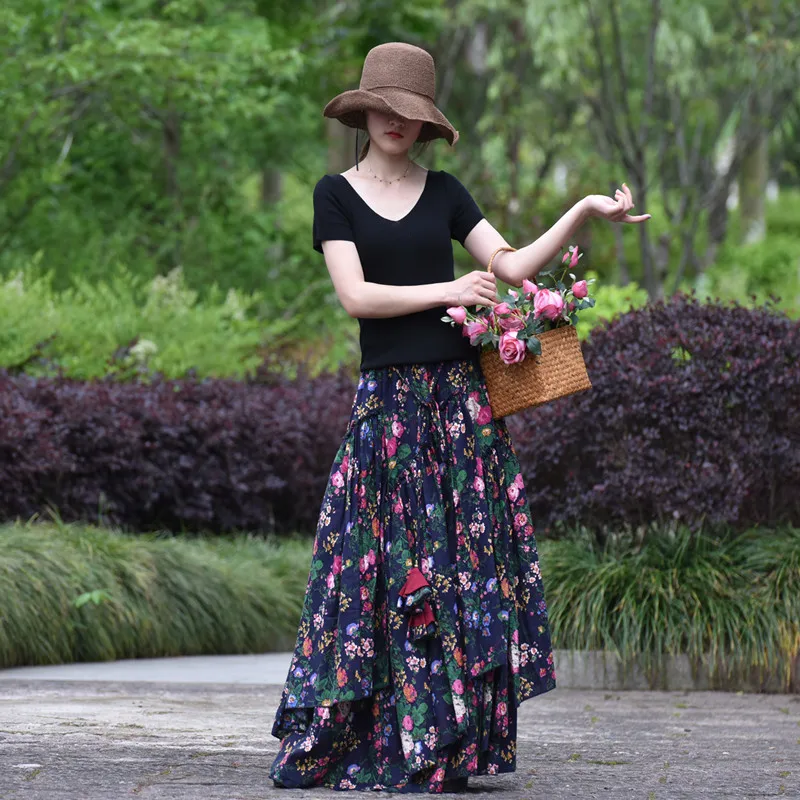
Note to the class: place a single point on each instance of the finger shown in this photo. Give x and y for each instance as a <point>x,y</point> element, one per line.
<point>628,193</point>
<point>637,218</point>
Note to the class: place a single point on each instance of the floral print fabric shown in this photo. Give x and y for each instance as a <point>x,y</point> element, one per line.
<point>424,624</point>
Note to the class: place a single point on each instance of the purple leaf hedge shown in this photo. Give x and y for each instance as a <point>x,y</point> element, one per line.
<point>194,455</point>
<point>694,416</point>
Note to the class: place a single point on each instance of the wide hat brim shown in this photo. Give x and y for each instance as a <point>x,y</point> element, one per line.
<point>350,107</point>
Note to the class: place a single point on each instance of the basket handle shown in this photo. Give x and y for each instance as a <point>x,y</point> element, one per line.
<point>499,250</point>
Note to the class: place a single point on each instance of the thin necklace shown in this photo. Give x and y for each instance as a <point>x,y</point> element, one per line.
<point>394,180</point>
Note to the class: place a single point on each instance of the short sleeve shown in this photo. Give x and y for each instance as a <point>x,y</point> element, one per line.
<point>331,220</point>
<point>464,211</point>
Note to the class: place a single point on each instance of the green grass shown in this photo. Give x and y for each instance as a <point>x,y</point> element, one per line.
<point>732,598</point>
<point>80,593</point>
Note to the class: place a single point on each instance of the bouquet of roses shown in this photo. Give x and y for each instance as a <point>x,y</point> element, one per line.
<point>512,326</point>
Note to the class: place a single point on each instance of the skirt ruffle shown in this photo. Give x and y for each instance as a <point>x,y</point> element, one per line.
<point>424,624</point>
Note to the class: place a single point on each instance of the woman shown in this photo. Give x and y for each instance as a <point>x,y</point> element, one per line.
<point>424,624</point>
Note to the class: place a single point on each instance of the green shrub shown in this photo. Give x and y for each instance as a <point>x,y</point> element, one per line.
<point>612,300</point>
<point>770,267</point>
<point>83,328</point>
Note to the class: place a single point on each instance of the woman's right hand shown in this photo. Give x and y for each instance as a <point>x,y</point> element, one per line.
<point>478,287</point>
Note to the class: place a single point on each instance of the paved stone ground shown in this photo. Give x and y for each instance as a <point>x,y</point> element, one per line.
<point>103,740</point>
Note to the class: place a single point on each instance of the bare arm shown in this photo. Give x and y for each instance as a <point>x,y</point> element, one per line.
<point>365,299</point>
<point>527,261</point>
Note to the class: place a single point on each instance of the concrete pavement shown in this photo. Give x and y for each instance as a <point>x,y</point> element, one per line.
<point>199,729</point>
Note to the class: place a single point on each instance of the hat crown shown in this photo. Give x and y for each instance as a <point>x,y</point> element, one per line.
<point>401,66</point>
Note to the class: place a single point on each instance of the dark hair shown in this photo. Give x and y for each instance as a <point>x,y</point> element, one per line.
<point>417,149</point>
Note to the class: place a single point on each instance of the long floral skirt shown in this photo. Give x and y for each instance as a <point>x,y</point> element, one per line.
<point>424,624</point>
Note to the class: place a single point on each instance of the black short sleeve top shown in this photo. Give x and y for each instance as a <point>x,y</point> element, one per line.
<point>413,250</point>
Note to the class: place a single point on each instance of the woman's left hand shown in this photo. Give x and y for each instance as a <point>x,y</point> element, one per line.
<point>614,209</point>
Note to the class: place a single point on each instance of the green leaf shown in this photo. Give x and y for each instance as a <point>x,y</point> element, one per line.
<point>534,345</point>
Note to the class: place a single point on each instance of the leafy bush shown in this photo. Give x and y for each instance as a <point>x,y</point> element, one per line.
<point>612,300</point>
<point>126,326</point>
<point>771,267</point>
<point>211,455</point>
<point>93,330</point>
<point>692,417</point>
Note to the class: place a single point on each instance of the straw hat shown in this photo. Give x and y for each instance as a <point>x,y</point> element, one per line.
<point>400,78</point>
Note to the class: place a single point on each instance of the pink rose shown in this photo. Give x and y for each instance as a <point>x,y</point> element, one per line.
<point>580,289</point>
<point>574,260</point>
<point>458,687</point>
<point>514,294</point>
<point>502,308</point>
<point>391,446</point>
<point>337,565</point>
<point>475,328</point>
<point>408,723</point>
<point>548,304</point>
<point>529,287</point>
<point>337,479</point>
<point>512,322</point>
<point>519,480</point>
<point>479,465</point>
<point>566,256</point>
<point>513,492</point>
<point>512,350</point>
<point>397,428</point>
<point>484,415</point>
<point>478,484</point>
<point>343,465</point>
<point>458,313</point>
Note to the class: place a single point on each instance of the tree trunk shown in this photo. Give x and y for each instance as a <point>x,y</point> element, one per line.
<point>271,186</point>
<point>650,280</point>
<point>172,150</point>
<point>341,145</point>
<point>717,218</point>
<point>623,273</point>
<point>753,189</point>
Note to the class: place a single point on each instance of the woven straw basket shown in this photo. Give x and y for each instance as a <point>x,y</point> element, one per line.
<point>558,372</point>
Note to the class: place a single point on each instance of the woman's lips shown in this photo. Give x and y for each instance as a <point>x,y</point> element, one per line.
<point>394,135</point>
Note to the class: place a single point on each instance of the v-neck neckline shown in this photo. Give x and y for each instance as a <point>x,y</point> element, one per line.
<point>380,216</point>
